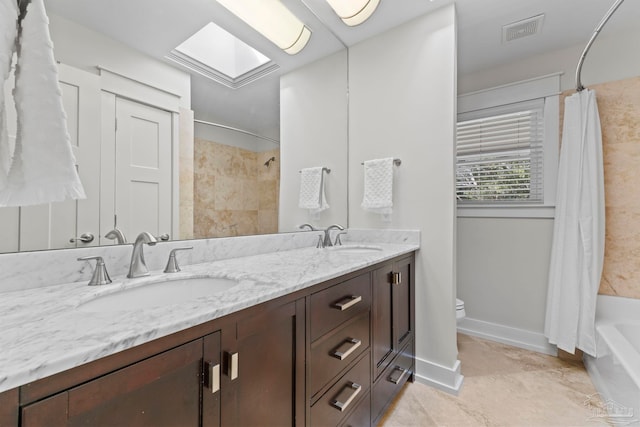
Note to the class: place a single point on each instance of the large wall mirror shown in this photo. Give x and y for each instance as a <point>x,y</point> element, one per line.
<point>164,142</point>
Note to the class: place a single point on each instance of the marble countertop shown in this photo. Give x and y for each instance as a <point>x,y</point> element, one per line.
<point>43,332</point>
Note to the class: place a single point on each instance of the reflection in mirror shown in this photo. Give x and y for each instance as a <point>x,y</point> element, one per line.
<point>146,131</point>
<point>235,186</point>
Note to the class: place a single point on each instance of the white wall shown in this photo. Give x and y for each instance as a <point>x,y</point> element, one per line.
<point>86,49</point>
<point>503,263</point>
<point>402,87</point>
<point>313,132</point>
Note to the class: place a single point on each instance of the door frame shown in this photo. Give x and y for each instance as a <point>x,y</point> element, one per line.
<point>114,86</point>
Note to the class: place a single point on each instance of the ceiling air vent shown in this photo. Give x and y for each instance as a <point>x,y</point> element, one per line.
<point>524,28</point>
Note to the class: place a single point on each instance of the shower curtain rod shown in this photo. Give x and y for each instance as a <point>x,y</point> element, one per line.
<point>237,130</point>
<point>610,12</point>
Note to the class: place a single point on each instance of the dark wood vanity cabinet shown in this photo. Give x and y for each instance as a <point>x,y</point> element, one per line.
<point>333,354</point>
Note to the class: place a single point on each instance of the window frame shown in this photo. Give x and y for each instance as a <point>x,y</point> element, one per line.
<point>547,89</point>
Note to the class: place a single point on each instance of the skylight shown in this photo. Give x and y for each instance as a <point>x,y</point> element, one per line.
<point>219,55</point>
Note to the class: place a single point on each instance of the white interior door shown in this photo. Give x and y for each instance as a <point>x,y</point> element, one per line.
<point>52,226</point>
<point>143,169</point>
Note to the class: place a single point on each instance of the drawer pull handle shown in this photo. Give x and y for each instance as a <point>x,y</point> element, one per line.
<point>348,302</point>
<point>213,376</point>
<point>353,345</point>
<point>396,278</point>
<point>352,391</point>
<point>402,371</point>
<point>232,365</point>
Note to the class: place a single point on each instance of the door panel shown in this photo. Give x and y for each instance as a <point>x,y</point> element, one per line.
<point>143,169</point>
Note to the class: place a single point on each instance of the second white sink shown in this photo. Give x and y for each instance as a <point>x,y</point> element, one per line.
<point>158,294</point>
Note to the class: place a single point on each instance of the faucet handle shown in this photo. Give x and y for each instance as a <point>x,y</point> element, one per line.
<point>338,241</point>
<point>172,263</point>
<point>100,275</point>
<point>163,237</point>
<point>320,243</point>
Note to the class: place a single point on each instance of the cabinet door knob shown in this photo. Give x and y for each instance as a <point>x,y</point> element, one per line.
<point>396,379</point>
<point>213,376</point>
<point>350,392</point>
<point>353,344</point>
<point>347,302</point>
<point>231,360</point>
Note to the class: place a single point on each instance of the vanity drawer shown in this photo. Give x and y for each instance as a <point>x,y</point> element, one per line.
<point>332,306</point>
<point>345,394</point>
<point>335,351</point>
<point>391,381</point>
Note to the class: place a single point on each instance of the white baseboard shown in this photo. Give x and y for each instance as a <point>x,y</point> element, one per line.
<point>521,338</point>
<point>441,377</point>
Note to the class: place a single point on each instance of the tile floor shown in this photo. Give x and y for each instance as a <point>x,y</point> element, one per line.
<point>503,386</point>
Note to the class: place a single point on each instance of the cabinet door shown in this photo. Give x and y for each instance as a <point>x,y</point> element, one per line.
<point>393,312</point>
<point>52,226</point>
<point>382,328</point>
<point>403,301</point>
<point>264,370</point>
<point>163,390</point>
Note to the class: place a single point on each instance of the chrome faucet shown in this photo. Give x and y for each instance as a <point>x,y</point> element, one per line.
<point>117,235</point>
<point>138,267</point>
<point>327,234</point>
<point>309,226</point>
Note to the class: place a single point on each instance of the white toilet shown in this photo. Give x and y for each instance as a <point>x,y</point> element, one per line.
<point>460,314</point>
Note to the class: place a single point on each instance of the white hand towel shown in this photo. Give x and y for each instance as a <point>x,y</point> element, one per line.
<point>378,187</point>
<point>43,168</point>
<point>312,195</point>
<point>8,33</point>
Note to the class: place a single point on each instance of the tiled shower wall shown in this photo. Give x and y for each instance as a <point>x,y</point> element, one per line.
<point>619,107</point>
<point>235,194</point>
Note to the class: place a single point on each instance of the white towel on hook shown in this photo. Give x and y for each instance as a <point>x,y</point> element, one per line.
<point>378,187</point>
<point>312,195</point>
<point>43,168</point>
<point>8,33</point>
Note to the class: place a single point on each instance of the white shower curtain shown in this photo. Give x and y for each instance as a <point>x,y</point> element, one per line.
<point>577,252</point>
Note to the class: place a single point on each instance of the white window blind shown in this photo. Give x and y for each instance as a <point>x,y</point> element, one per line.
<point>500,157</point>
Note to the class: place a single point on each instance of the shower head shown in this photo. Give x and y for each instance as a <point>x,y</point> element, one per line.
<point>268,162</point>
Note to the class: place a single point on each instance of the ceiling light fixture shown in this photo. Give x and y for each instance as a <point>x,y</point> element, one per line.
<point>273,20</point>
<point>354,12</point>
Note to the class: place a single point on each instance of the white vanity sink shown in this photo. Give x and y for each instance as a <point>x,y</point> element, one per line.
<point>356,249</point>
<point>158,294</point>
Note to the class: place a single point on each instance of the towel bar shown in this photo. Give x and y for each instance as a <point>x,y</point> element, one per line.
<point>396,162</point>
<point>327,170</point>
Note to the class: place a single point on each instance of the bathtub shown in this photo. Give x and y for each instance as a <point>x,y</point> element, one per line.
<point>615,371</point>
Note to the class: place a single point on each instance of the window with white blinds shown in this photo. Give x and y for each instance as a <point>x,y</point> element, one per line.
<point>500,155</point>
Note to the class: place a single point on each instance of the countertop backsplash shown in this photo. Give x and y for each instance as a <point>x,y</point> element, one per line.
<point>29,270</point>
